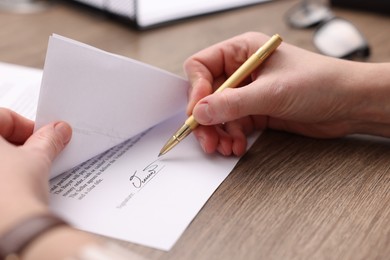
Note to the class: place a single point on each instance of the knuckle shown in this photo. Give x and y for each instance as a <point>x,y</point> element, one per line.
<point>7,126</point>
<point>49,143</point>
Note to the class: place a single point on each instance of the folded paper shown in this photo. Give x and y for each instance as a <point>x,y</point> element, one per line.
<point>106,98</point>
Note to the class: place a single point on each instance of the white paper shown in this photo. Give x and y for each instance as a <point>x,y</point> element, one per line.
<point>19,88</point>
<point>127,192</point>
<point>106,98</point>
<point>151,12</point>
<point>106,195</point>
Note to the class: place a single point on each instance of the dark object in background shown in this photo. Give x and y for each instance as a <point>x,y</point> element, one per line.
<point>334,36</point>
<point>379,6</point>
<point>308,14</point>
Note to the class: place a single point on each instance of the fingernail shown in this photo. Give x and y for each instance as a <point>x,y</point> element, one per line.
<point>64,130</point>
<point>202,112</point>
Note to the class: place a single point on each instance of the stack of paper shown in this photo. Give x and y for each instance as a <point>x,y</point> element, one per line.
<point>147,13</point>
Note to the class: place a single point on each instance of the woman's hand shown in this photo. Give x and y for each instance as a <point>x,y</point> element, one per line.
<point>293,90</point>
<point>26,158</point>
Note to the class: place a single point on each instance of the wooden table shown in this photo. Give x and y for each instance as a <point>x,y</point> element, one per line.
<point>289,197</point>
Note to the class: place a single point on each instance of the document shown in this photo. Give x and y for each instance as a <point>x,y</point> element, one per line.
<point>126,191</point>
<point>19,88</point>
<point>105,97</point>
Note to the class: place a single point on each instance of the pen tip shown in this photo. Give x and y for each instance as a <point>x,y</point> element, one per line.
<point>174,140</point>
<point>163,151</point>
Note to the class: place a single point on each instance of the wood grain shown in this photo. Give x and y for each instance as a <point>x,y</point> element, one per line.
<point>289,197</point>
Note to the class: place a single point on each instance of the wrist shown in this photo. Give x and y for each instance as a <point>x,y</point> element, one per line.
<point>38,236</point>
<point>14,213</point>
<point>15,241</point>
<point>371,112</point>
<point>47,245</point>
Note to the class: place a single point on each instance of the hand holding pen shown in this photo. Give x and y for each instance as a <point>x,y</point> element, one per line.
<point>295,90</point>
<point>233,81</point>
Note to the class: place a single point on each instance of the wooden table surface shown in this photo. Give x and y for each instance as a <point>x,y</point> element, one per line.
<point>289,197</point>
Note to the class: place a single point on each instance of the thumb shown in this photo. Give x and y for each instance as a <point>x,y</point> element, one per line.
<point>50,140</point>
<point>228,105</point>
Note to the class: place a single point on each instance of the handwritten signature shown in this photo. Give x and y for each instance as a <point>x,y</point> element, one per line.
<point>140,178</point>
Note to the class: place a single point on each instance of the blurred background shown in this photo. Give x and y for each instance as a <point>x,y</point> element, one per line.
<point>110,25</point>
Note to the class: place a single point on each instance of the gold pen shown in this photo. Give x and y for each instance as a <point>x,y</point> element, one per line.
<point>239,75</point>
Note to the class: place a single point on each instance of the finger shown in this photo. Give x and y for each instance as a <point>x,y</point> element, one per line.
<point>238,130</point>
<point>208,138</point>
<point>214,138</point>
<point>198,90</point>
<point>213,64</point>
<point>200,78</point>
<point>14,127</point>
<point>223,58</point>
<point>232,104</point>
<point>207,64</point>
<point>225,142</point>
<point>50,140</point>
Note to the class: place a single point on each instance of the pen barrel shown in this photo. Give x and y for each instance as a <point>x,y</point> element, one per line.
<point>183,132</point>
<point>251,63</point>
<point>267,48</point>
<point>191,122</point>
